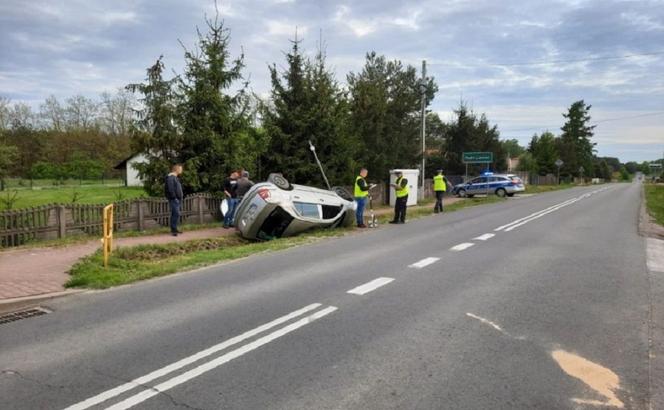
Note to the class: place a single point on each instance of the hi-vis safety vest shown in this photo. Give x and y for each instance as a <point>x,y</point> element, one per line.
<point>439,183</point>
<point>359,193</point>
<point>401,192</point>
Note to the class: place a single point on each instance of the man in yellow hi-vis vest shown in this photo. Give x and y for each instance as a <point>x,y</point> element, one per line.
<point>439,188</point>
<point>361,191</point>
<point>401,190</point>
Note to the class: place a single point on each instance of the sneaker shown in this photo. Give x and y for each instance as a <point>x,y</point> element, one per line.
<point>174,234</point>
<point>361,225</point>
<point>401,222</point>
<point>394,222</point>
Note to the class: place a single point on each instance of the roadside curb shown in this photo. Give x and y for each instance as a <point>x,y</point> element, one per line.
<point>14,304</point>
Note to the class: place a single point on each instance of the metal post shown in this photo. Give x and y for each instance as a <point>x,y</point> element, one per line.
<point>424,120</point>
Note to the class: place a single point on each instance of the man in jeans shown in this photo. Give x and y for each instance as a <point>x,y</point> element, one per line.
<point>173,190</point>
<point>361,191</point>
<point>230,189</point>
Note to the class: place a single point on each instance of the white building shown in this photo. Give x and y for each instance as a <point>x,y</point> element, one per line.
<point>131,177</point>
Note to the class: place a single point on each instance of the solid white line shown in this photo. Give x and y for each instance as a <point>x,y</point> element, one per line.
<point>206,367</point>
<point>142,381</point>
<point>538,216</point>
<point>424,262</point>
<point>485,237</point>
<point>500,228</point>
<point>461,246</point>
<point>369,286</point>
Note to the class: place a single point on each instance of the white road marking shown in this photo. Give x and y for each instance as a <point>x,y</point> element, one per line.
<point>206,367</point>
<point>500,228</point>
<point>495,326</point>
<point>143,380</point>
<point>424,262</point>
<point>655,252</point>
<point>522,221</point>
<point>485,237</point>
<point>538,216</point>
<point>461,246</point>
<point>486,322</point>
<point>369,286</point>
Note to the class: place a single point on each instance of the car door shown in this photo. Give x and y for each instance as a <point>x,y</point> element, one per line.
<point>476,184</point>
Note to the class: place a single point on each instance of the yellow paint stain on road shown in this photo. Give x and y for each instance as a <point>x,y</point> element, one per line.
<point>598,378</point>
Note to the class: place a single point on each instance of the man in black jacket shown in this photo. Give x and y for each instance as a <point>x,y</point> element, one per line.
<point>173,190</point>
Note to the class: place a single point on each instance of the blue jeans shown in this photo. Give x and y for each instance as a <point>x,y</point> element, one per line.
<point>232,204</point>
<point>359,212</point>
<point>175,214</point>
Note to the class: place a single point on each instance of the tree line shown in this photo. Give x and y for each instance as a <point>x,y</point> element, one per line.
<point>80,137</point>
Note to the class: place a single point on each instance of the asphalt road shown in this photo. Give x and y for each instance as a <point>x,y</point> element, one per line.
<point>549,312</point>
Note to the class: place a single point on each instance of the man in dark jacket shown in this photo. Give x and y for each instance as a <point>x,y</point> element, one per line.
<point>243,186</point>
<point>173,190</point>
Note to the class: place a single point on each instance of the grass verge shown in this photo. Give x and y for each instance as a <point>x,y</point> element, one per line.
<point>148,261</point>
<point>141,262</point>
<point>655,201</point>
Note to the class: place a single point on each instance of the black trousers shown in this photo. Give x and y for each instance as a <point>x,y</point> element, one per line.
<point>175,214</point>
<point>400,209</point>
<point>439,201</point>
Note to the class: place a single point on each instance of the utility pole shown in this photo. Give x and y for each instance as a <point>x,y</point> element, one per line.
<point>423,89</point>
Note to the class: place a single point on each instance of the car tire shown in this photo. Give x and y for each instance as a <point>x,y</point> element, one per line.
<point>280,182</point>
<point>501,192</point>
<point>462,193</point>
<point>342,192</point>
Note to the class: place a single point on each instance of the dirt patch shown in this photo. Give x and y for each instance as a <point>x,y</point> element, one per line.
<point>602,380</point>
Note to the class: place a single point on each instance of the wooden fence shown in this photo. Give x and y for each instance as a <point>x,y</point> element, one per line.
<point>57,221</point>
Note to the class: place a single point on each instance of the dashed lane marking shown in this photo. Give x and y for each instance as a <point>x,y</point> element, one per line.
<point>370,286</point>
<point>424,262</point>
<point>461,246</point>
<point>485,237</point>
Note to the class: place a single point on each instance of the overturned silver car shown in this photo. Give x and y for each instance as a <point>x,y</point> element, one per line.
<point>277,208</point>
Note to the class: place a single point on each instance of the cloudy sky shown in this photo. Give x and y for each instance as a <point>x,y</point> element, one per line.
<point>520,62</point>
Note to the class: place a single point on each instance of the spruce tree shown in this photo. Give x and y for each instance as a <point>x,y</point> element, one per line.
<point>575,148</point>
<point>307,104</point>
<point>213,119</point>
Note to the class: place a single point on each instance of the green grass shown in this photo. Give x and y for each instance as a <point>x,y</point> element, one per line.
<point>655,201</point>
<point>536,189</point>
<point>79,194</point>
<point>23,183</point>
<point>136,263</point>
<point>132,264</point>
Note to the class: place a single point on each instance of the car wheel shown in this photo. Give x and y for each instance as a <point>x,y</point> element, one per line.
<point>462,193</point>
<point>342,192</point>
<point>280,182</point>
<point>501,192</point>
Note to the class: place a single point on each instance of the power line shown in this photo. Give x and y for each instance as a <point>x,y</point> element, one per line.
<point>533,63</point>
<point>650,114</point>
<point>630,117</point>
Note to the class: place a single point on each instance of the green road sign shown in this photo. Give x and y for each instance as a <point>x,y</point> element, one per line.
<point>477,157</point>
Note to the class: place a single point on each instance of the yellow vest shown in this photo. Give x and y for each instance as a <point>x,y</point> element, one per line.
<point>401,192</point>
<point>439,183</point>
<point>359,193</point>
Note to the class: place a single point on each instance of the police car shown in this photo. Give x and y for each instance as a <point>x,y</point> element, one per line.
<point>490,183</point>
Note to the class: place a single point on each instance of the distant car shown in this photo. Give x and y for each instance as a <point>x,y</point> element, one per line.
<point>499,184</point>
<point>277,208</point>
